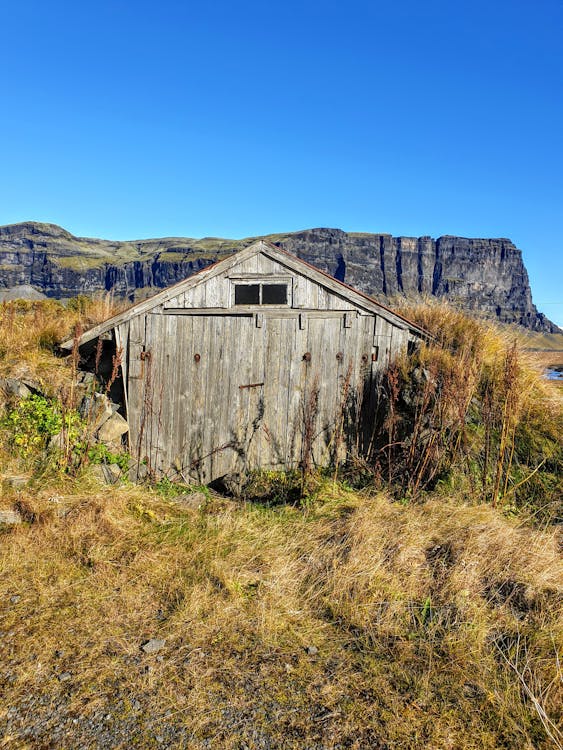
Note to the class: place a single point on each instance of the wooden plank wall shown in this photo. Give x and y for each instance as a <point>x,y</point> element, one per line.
<point>213,393</point>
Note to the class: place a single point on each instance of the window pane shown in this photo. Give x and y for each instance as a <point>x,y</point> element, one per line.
<point>247,294</point>
<point>274,294</point>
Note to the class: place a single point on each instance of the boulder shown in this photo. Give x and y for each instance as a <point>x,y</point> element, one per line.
<point>112,430</point>
<point>191,500</point>
<point>85,378</point>
<point>14,388</point>
<point>96,410</point>
<point>107,473</point>
<point>10,517</point>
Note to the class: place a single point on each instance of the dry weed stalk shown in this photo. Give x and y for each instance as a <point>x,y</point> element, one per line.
<point>310,408</point>
<point>339,434</point>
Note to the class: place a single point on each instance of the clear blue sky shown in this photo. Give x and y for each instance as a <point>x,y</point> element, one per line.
<point>134,119</point>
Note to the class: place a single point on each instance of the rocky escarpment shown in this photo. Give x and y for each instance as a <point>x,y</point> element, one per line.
<point>59,265</point>
<point>486,276</point>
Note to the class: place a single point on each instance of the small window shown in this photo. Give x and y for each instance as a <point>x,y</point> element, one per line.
<point>274,294</point>
<point>247,294</point>
<point>261,294</point>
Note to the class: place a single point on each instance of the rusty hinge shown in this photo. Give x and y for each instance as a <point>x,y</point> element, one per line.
<point>250,385</point>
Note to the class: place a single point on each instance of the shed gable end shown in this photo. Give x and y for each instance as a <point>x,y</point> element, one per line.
<point>259,280</point>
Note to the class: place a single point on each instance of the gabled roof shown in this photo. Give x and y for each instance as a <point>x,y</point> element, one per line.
<point>274,253</point>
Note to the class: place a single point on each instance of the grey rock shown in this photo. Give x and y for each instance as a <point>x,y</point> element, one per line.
<point>107,473</point>
<point>311,650</point>
<point>14,388</point>
<point>192,500</point>
<point>10,517</point>
<point>112,430</point>
<point>153,645</point>
<point>96,410</point>
<point>15,599</point>
<point>85,378</point>
<point>138,471</point>
<point>64,677</point>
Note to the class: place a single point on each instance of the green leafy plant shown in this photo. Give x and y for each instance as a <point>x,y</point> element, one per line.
<point>33,422</point>
<point>101,454</point>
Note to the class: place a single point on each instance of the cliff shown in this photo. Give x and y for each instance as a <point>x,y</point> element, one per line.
<point>486,276</point>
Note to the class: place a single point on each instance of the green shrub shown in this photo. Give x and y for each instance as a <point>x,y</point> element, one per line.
<point>32,423</point>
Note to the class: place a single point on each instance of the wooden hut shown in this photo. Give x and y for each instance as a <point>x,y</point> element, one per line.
<point>258,361</point>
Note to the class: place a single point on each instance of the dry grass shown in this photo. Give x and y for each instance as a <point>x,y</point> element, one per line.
<point>417,613</point>
<point>30,332</point>
<point>472,411</point>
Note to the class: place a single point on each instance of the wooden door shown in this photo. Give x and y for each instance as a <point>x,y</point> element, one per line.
<point>207,376</point>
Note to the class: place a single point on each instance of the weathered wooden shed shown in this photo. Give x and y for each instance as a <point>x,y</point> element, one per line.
<point>260,360</point>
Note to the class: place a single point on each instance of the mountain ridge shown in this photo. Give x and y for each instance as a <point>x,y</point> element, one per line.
<point>485,276</point>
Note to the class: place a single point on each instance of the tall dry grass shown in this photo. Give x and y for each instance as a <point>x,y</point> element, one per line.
<point>470,411</point>
<point>31,331</point>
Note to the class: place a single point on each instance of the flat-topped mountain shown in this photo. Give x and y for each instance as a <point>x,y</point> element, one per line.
<point>486,276</point>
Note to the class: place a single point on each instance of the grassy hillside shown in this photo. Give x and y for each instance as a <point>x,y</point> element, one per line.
<point>417,611</point>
